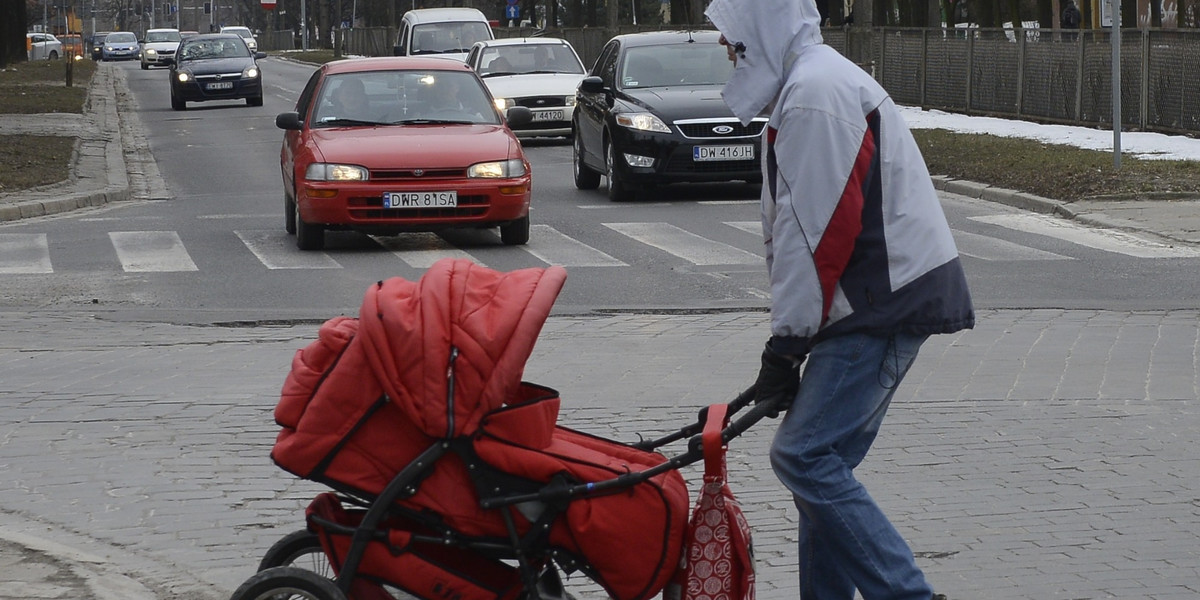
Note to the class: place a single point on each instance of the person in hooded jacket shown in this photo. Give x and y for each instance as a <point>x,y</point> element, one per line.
<point>862,269</point>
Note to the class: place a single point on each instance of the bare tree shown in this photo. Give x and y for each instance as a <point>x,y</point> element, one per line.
<point>13,18</point>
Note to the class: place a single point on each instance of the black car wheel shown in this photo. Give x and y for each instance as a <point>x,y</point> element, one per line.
<point>515,233</point>
<point>618,191</point>
<point>177,103</point>
<point>145,67</point>
<point>254,101</point>
<point>309,236</point>
<point>585,177</point>
<point>289,215</point>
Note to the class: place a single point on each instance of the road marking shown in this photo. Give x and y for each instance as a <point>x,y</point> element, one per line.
<point>989,248</point>
<point>556,248</point>
<point>684,244</point>
<point>754,227</point>
<point>151,251</point>
<point>22,253</point>
<point>1108,240</point>
<point>276,250</point>
<point>421,250</point>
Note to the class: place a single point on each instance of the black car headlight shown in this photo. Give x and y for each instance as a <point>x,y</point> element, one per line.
<point>250,72</point>
<point>642,121</point>
<point>183,76</point>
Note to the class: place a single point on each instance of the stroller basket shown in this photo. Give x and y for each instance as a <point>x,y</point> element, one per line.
<point>404,556</point>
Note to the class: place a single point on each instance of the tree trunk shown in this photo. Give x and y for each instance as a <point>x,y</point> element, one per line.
<point>13,17</point>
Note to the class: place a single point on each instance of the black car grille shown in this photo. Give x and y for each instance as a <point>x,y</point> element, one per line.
<point>202,79</point>
<point>705,130</point>
<point>541,101</point>
<point>682,164</point>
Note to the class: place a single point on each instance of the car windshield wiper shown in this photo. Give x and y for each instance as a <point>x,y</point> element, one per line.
<point>344,122</point>
<point>434,122</point>
<point>497,74</point>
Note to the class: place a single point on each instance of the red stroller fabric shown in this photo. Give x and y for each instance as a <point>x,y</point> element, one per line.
<point>370,394</point>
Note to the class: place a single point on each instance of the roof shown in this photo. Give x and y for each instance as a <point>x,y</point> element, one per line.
<point>658,38</point>
<point>439,15</point>
<point>524,41</point>
<point>162,29</point>
<point>389,63</point>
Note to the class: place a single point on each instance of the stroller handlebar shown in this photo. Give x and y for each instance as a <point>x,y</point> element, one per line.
<point>694,454</point>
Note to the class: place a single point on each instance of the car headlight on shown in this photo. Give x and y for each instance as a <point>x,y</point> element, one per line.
<point>642,121</point>
<point>183,76</point>
<point>498,169</point>
<point>332,172</point>
<point>151,52</point>
<point>505,103</point>
<point>250,72</point>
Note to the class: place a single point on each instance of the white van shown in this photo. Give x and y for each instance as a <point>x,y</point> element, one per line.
<point>441,32</point>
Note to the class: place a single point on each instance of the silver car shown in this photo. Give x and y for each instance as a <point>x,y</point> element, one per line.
<point>159,46</point>
<point>540,74</point>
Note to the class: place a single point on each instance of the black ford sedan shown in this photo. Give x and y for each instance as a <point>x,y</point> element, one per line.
<point>650,112</point>
<point>215,67</point>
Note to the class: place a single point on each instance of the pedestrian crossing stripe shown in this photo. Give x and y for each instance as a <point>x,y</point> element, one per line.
<point>685,244</point>
<point>24,253</point>
<point>164,251</point>
<point>151,251</point>
<point>1099,238</point>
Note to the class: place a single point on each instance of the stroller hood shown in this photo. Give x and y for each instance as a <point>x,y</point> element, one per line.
<point>452,346</point>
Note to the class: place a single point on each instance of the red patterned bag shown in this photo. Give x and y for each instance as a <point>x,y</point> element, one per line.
<point>720,556</point>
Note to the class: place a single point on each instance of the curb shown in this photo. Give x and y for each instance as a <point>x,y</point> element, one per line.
<point>94,573</point>
<point>99,174</point>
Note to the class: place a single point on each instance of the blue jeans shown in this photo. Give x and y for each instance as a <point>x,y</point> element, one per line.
<point>846,542</point>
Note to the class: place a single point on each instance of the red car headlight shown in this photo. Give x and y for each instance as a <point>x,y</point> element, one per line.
<point>501,169</point>
<point>333,172</point>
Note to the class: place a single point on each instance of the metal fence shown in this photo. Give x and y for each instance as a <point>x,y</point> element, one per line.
<point>1048,75</point>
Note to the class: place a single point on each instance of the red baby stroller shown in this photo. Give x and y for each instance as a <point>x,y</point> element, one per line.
<point>451,478</point>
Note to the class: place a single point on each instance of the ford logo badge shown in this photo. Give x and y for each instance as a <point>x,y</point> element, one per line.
<point>722,130</point>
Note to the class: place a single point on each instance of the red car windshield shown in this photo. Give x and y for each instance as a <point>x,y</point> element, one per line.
<point>402,98</point>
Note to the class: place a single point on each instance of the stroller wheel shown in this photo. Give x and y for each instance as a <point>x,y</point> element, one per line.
<point>287,583</point>
<point>298,549</point>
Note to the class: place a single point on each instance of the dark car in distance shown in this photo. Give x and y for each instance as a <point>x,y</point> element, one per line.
<point>215,67</point>
<point>97,44</point>
<point>650,112</point>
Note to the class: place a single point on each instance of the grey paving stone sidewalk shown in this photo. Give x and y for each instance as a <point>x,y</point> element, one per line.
<point>1045,454</point>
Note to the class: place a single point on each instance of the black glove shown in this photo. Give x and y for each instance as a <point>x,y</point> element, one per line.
<point>778,380</point>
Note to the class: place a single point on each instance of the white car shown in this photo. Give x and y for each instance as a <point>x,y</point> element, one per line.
<point>245,34</point>
<point>43,46</point>
<point>159,46</point>
<point>540,74</point>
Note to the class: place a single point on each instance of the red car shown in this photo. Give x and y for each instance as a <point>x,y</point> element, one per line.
<point>394,144</point>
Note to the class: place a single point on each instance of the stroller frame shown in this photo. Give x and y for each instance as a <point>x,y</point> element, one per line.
<point>535,557</point>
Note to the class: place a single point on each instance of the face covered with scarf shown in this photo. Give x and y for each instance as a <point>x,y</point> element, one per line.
<point>764,36</point>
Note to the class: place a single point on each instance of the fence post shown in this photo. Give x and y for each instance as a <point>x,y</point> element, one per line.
<point>1020,33</point>
<point>924,68</point>
<point>1144,107</point>
<point>970,65</point>
<point>1079,71</point>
